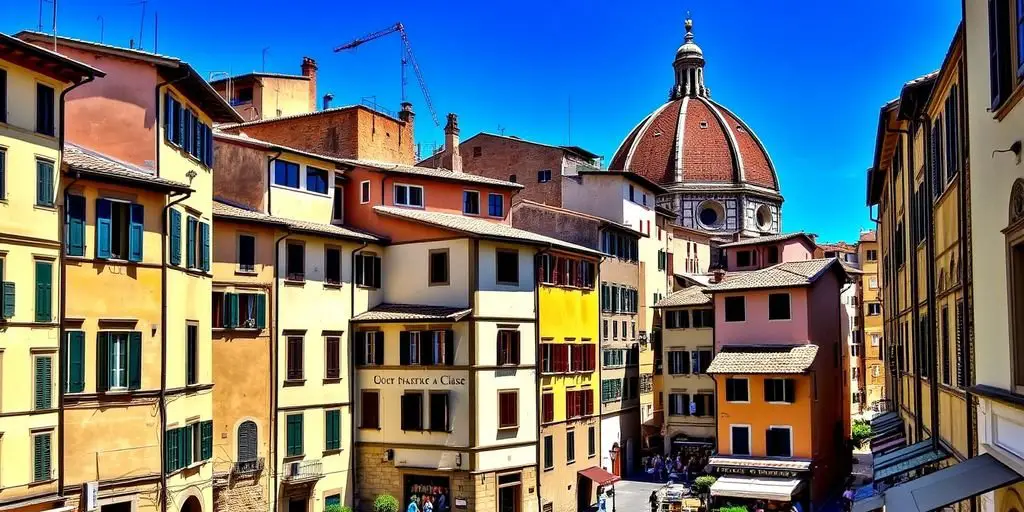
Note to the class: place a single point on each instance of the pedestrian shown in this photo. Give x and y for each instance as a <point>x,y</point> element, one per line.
<point>848,499</point>
<point>413,505</point>
<point>428,504</point>
<point>654,501</point>
<point>601,506</point>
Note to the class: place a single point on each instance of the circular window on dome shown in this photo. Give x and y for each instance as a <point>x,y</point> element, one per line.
<point>711,214</point>
<point>764,217</point>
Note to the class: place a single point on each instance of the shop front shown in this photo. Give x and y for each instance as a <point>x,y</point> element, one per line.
<point>767,484</point>
<point>424,490</point>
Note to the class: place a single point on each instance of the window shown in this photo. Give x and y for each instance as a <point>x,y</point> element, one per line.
<point>495,205</point>
<point>874,308</point>
<point>744,258</point>
<point>678,404</point>
<point>120,365</point>
<point>662,259</point>
<point>286,174</point>
<point>412,410</point>
<point>369,410</point>
<point>332,430</point>
<point>647,383</point>
<point>549,452</point>
<point>409,195</point>
<point>438,271</point>
<point>295,358</point>
<point>294,433</point>
<point>778,306</point>
<point>44,291</point>
<point>44,183</point>
<point>773,255</point>
<point>873,283</point>
<point>508,348</point>
<point>197,241</point>
<point>508,409</point>
<point>678,362</point>
<point>544,176</point>
<point>508,266</point>
<point>239,310</point>
<point>1001,78</point>
<point>570,446</point>
<point>780,390</point>
<point>45,113</point>
<point>737,390</point>
<point>338,201</point>
<point>471,202</point>
<point>512,178</point>
<point>439,412</point>
<point>192,354</point>
<point>703,318</point>
<point>370,348</point>
<point>778,442</point>
<point>332,356</point>
<point>364,192</point>
<point>316,180</point>
<point>368,270</point>
<point>591,442</point>
<point>876,339</point>
<point>854,374</point>
<point>547,407</point>
<point>332,266</point>
<point>735,309</point>
<point>246,253</point>
<point>876,370</point>
<point>3,173</point>
<point>611,390</point>
<point>41,455</point>
<point>871,255</point>
<point>854,349</point>
<point>740,438</point>
<point>296,263</point>
<point>247,442</point>
<point>43,392</point>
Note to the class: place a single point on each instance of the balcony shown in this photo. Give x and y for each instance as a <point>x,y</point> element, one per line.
<point>247,467</point>
<point>302,471</point>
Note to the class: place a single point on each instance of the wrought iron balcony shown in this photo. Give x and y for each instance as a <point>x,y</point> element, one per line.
<point>303,471</point>
<point>247,467</point>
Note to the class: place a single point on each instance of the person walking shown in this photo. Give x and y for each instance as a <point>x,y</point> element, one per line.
<point>654,501</point>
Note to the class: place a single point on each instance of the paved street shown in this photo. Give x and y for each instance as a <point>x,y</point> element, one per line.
<point>632,496</point>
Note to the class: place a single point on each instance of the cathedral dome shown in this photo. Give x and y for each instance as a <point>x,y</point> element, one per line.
<point>692,140</point>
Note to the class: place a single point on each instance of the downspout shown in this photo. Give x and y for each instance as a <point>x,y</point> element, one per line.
<point>895,326</point>
<point>163,347</point>
<point>933,359</point>
<point>270,179</point>
<point>274,354</point>
<point>62,237</point>
<point>966,284</point>
<point>915,327</point>
<point>351,359</point>
<point>540,394</point>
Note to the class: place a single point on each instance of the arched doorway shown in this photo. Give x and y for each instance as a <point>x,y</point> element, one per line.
<point>192,504</point>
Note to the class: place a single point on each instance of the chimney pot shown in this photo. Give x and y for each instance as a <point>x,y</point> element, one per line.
<point>718,275</point>
<point>327,100</point>
<point>452,157</point>
<point>309,70</point>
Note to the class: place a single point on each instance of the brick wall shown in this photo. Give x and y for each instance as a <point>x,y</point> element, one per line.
<point>242,494</point>
<point>240,175</point>
<point>558,224</point>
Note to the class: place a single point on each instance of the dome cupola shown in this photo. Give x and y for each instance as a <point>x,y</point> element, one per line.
<point>689,66</point>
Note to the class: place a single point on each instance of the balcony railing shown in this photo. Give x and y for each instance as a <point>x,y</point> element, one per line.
<point>247,467</point>
<point>303,471</point>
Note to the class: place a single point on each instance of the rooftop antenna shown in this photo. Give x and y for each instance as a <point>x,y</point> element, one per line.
<point>54,25</point>
<point>568,122</point>
<point>100,19</point>
<point>501,130</point>
<point>156,29</point>
<point>142,21</point>
<point>265,50</point>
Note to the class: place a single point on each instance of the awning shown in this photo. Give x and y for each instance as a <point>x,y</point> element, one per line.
<point>906,459</point>
<point>599,476</point>
<point>776,489</point>
<point>887,445</point>
<point>882,419</point>
<point>965,480</point>
<point>869,504</point>
<point>886,430</point>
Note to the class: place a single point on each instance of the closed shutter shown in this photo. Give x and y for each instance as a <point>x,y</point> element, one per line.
<point>175,237</point>
<point>102,361</point>
<point>333,429</point>
<point>41,458</point>
<point>294,423</point>
<point>261,311</point>
<point>204,238</point>
<point>76,223</point>
<point>360,347</point>
<point>378,347</point>
<point>370,412</point>
<point>44,183</point>
<point>1000,79</point>
<point>333,353</point>
<point>103,222</point>
<point>376,272</point>
<point>44,383</point>
<point>403,348</point>
<point>171,450</point>
<point>44,289</point>
<point>790,390</point>
<point>449,347</point>
<point>135,232</point>
<point>206,439</point>
<point>134,360</point>
<point>75,371</point>
<point>209,147</point>
<point>295,357</point>
<point>185,438</point>
<point>190,243</point>
<point>230,310</point>
<point>247,438</point>
<point>7,299</point>
<point>168,116</point>
<point>961,374</point>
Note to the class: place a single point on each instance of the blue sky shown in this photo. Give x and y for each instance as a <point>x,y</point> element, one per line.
<point>808,76</point>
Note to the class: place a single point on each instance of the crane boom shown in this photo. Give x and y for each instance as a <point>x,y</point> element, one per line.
<point>407,58</point>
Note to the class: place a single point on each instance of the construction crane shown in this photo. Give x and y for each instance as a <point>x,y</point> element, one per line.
<point>407,58</point>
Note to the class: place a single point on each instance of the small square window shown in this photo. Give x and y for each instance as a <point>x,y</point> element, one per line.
<point>495,205</point>
<point>778,306</point>
<point>735,309</point>
<point>544,176</point>
<point>477,151</point>
<point>471,202</point>
<point>508,266</point>
<point>737,390</point>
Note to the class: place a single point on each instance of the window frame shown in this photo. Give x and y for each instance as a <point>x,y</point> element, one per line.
<point>301,376</point>
<point>408,187</point>
<point>365,194</point>
<point>191,356</point>
<point>779,427</point>
<point>789,307</point>
<point>543,175</point>
<point>241,268</point>
<point>362,407</point>
<point>466,193</point>
<point>725,308</point>
<point>515,424</point>
<point>295,277</point>
<point>570,446</point>
<point>340,268</point>
<point>782,381</point>
<point>501,204</point>
<point>549,452</point>
<point>447,427</point>
<point>736,379</point>
<point>32,457</point>
<point>287,174</point>
<point>447,267</point>
<point>49,128</point>
<point>497,266</point>
<point>732,439</point>
<point>327,357</point>
<point>327,180</point>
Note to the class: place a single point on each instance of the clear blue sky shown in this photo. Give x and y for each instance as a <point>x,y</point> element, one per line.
<point>808,76</point>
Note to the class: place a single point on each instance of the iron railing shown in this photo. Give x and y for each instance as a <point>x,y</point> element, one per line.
<point>303,470</point>
<point>245,467</point>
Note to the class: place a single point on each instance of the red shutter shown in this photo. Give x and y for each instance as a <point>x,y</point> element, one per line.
<point>589,396</point>
<point>568,404</point>
<point>548,407</point>
<point>556,273</point>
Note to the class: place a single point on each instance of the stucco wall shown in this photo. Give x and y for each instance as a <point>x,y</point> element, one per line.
<point>757,328</point>
<point>408,274</point>
<point>241,175</point>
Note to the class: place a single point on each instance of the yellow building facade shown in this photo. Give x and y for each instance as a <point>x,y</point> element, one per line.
<point>33,81</point>
<point>870,312</point>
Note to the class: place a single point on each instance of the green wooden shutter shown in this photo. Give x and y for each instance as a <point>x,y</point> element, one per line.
<point>332,428</point>
<point>206,439</point>
<point>41,458</point>
<point>175,237</point>
<point>75,371</point>
<point>261,311</point>
<point>204,237</point>
<point>294,435</point>
<point>7,299</point>
<point>135,230</point>
<point>103,228</point>
<point>185,445</point>
<point>134,360</point>
<point>76,225</point>
<point>44,383</point>
<point>102,361</point>
<point>44,183</point>
<point>171,450</point>
<point>190,243</point>
<point>44,286</point>
<point>230,310</point>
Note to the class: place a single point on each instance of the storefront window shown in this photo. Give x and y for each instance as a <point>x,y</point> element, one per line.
<point>435,489</point>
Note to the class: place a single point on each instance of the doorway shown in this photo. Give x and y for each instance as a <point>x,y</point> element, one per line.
<point>192,505</point>
<point>297,505</point>
<point>616,460</point>
<point>630,457</point>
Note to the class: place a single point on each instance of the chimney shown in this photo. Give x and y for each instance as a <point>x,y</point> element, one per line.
<point>309,70</point>
<point>327,101</point>
<point>717,275</point>
<point>452,158</point>
<point>406,114</point>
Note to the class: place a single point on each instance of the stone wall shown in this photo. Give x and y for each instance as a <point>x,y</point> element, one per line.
<point>242,494</point>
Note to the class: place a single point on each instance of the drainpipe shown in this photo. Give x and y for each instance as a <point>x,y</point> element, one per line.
<point>352,470</point>
<point>963,227</point>
<point>540,394</point>
<point>163,347</point>
<point>270,179</point>
<point>274,353</point>
<point>62,238</point>
<point>896,383</point>
<point>933,360</point>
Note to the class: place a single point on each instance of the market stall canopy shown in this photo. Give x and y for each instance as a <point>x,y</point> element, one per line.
<point>599,476</point>
<point>942,488</point>
<point>776,489</point>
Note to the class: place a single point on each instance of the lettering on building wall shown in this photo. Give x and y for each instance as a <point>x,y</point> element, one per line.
<point>444,380</point>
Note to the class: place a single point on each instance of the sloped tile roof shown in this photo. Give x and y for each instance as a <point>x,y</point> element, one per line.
<point>760,462</point>
<point>766,239</point>
<point>98,165</point>
<point>783,275</point>
<point>764,359</point>
<point>428,172</point>
<point>413,312</point>
<point>690,296</point>
<point>228,211</point>
<point>478,227</point>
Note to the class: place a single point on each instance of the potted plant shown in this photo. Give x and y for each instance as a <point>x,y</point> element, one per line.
<point>385,503</point>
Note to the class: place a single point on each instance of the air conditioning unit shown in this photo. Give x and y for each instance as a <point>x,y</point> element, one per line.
<point>90,492</point>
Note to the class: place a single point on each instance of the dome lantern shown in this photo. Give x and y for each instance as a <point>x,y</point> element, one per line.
<point>689,67</point>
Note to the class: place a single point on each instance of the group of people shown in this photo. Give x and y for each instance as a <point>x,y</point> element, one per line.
<point>427,503</point>
<point>681,468</point>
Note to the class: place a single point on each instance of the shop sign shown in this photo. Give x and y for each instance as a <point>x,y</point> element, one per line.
<point>444,380</point>
<point>774,473</point>
<point>461,502</point>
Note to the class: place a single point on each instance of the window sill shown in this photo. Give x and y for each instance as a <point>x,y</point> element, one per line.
<point>410,206</point>
<point>293,458</point>
<point>44,207</point>
<point>1004,109</point>
<point>508,429</point>
<point>301,190</point>
<point>332,286</point>
<point>552,468</point>
<point>194,272</point>
<point>369,428</point>
<point>293,282</point>
<point>332,380</point>
<point>246,273</point>
<point>288,383</point>
<point>333,452</point>
<point>42,482</point>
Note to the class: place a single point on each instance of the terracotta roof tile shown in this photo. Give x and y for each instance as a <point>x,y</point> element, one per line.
<point>756,167</point>
<point>765,239</point>
<point>763,360</point>
<point>690,296</point>
<point>413,312</point>
<point>86,161</point>
<point>429,172</point>
<point>228,211</point>
<point>653,156</point>
<point>783,275</point>
<point>706,147</point>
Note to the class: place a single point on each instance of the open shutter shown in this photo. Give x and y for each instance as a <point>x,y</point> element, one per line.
<point>102,361</point>
<point>44,286</point>
<point>358,277</point>
<point>204,239</point>
<point>168,116</point>
<point>230,310</point>
<point>790,386</point>
<point>261,311</point>
<point>378,347</point>
<point>190,243</point>
<point>134,360</point>
<point>76,225</point>
<point>449,347</point>
<point>8,300</point>
<point>103,212</point>
<point>376,272</point>
<point>426,348</point>
<point>360,347</point>
<point>206,437</point>
<point>175,237</point>
<point>135,233</point>
<point>403,348</point>
<point>515,348</point>
<point>75,370</point>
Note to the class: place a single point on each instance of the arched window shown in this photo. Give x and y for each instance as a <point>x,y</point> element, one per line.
<point>247,437</point>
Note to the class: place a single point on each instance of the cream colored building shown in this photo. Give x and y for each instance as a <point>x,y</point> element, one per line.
<point>32,81</point>
<point>260,95</point>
